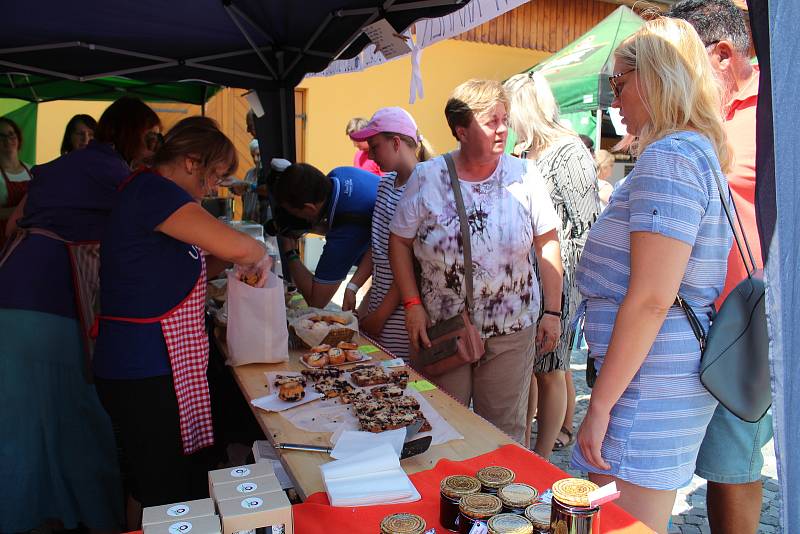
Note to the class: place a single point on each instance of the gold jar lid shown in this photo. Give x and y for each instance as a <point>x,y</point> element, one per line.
<point>573,491</point>
<point>509,524</point>
<point>456,486</point>
<point>517,495</point>
<point>402,524</point>
<point>495,476</point>
<point>539,515</point>
<point>480,505</point>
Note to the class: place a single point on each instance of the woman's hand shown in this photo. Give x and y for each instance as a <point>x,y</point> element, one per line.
<point>261,269</point>
<point>349,300</point>
<point>372,324</point>
<point>548,333</point>
<point>591,435</point>
<point>417,323</point>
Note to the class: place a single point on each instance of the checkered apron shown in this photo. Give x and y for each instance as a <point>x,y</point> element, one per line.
<point>187,343</point>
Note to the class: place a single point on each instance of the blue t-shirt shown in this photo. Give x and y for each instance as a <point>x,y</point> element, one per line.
<point>144,273</point>
<point>354,192</point>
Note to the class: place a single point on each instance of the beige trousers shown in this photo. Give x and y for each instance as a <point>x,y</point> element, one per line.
<point>499,383</point>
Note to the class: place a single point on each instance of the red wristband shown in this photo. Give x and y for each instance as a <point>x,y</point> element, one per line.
<point>413,301</point>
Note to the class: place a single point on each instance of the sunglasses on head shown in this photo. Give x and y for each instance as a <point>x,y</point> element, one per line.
<point>612,81</point>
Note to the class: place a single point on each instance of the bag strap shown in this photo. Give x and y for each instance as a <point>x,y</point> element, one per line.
<point>728,214</point>
<point>465,234</point>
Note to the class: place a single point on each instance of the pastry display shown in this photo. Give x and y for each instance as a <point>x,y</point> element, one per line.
<point>333,355</point>
<point>291,391</point>
<point>336,357</point>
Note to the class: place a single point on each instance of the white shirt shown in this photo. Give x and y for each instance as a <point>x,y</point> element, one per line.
<point>505,212</point>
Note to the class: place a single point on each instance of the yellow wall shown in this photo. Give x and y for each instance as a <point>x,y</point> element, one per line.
<point>332,101</point>
<point>52,119</point>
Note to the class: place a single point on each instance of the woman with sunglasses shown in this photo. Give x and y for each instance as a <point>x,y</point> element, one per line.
<point>663,234</point>
<point>151,356</point>
<point>62,457</point>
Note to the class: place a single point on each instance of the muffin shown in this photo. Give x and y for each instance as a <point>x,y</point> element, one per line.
<point>291,392</point>
<point>336,356</point>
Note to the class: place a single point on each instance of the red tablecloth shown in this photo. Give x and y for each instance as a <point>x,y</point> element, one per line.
<point>315,516</point>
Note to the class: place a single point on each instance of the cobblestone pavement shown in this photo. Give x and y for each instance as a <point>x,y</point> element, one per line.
<point>689,516</point>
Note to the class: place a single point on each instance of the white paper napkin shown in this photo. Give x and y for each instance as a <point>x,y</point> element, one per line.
<point>348,443</point>
<point>373,476</point>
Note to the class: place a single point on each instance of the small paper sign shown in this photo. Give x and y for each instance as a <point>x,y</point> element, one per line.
<point>421,385</point>
<point>368,349</point>
<point>386,39</point>
<point>395,362</point>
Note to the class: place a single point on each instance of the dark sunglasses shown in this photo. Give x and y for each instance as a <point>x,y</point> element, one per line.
<point>612,81</point>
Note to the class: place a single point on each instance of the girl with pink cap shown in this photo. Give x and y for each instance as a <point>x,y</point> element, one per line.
<point>396,145</point>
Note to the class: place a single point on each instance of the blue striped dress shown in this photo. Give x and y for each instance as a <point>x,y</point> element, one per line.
<point>658,423</point>
<point>393,336</point>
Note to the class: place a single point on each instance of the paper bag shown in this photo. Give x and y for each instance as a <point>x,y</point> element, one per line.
<point>257,330</point>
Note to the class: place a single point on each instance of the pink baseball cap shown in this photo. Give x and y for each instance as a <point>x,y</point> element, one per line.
<point>388,120</point>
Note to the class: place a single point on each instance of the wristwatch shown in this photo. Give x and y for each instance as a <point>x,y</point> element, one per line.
<point>292,254</point>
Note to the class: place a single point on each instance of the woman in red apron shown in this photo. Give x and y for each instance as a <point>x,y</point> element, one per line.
<point>60,458</point>
<point>15,174</point>
<point>151,355</point>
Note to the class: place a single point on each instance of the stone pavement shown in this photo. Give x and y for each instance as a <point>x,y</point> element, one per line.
<point>689,516</point>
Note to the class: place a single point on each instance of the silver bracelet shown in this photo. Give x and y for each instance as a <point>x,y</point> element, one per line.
<point>352,287</point>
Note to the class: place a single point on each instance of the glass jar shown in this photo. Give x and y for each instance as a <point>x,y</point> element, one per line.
<point>476,507</point>
<point>402,524</point>
<point>516,497</point>
<point>451,490</point>
<point>494,477</point>
<point>509,524</point>
<point>570,510</point>
<point>539,516</point>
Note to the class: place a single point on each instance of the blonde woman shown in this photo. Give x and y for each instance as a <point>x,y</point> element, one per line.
<point>510,213</point>
<point>663,234</point>
<point>397,146</point>
<point>569,172</point>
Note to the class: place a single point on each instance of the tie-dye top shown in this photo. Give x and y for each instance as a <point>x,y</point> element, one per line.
<point>505,212</point>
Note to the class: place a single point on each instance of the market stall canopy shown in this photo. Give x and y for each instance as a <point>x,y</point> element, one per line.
<point>578,73</point>
<point>34,88</point>
<point>254,44</point>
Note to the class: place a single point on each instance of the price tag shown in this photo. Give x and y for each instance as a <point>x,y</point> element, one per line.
<point>422,385</point>
<point>396,362</point>
<point>368,349</point>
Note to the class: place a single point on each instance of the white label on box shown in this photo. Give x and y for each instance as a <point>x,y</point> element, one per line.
<point>247,487</point>
<point>181,527</point>
<point>252,503</point>
<point>240,472</point>
<point>178,510</point>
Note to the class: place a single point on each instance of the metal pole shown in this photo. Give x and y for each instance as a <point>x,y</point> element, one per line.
<point>598,131</point>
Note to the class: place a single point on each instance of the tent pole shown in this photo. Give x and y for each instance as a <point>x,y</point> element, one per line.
<point>203,105</point>
<point>598,130</point>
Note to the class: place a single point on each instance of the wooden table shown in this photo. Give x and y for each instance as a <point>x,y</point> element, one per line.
<point>303,467</point>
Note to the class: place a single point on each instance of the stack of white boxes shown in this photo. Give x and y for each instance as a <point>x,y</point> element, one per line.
<point>250,497</point>
<point>199,517</point>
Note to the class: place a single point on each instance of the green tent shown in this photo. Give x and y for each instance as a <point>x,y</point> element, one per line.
<point>578,73</point>
<point>45,89</point>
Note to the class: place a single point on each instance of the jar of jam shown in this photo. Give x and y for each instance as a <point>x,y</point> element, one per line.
<point>509,524</point>
<point>451,490</point>
<point>476,507</point>
<point>539,516</point>
<point>570,509</point>
<point>516,497</point>
<point>402,524</point>
<point>494,477</point>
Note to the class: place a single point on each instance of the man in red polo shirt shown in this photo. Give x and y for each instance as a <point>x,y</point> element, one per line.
<point>730,457</point>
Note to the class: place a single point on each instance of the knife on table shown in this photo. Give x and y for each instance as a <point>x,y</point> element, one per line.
<point>411,447</point>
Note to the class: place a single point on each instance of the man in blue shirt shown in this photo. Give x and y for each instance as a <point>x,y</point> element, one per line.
<point>339,206</point>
